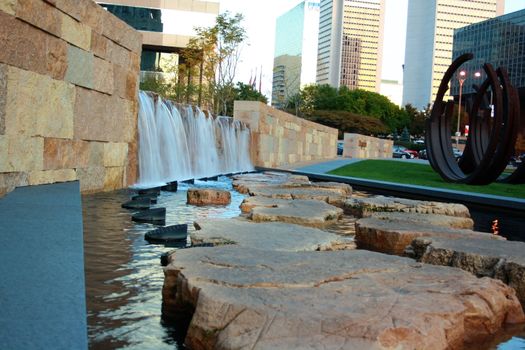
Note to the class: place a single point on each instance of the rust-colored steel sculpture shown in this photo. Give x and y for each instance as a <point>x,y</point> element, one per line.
<point>491,139</point>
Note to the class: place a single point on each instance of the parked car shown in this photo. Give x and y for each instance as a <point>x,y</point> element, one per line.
<point>423,154</point>
<point>403,152</point>
<point>457,152</point>
<point>340,147</point>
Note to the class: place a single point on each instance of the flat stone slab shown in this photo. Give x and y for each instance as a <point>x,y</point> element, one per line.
<point>500,259</point>
<point>266,236</point>
<point>302,212</point>
<point>431,219</point>
<point>314,193</point>
<point>243,183</point>
<point>393,236</point>
<point>364,207</point>
<point>243,298</point>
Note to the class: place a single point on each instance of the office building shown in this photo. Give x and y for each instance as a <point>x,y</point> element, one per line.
<point>350,43</point>
<point>166,26</point>
<point>499,41</point>
<point>428,52</point>
<point>295,58</point>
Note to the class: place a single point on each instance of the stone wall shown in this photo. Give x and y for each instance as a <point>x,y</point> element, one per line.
<point>279,138</point>
<point>361,146</point>
<point>68,95</point>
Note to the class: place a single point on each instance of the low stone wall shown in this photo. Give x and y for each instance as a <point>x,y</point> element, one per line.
<point>361,146</point>
<point>279,138</point>
<point>68,95</point>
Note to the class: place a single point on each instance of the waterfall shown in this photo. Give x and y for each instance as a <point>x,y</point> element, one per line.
<point>180,143</point>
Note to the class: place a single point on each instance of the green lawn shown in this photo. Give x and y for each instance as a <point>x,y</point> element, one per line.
<point>419,174</point>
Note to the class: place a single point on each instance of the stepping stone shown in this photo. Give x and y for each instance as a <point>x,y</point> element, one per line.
<point>392,236</point>
<point>168,234</point>
<point>151,197</point>
<point>310,192</point>
<point>431,219</point>
<point>245,298</point>
<point>138,204</point>
<point>208,196</point>
<point>266,236</point>
<point>149,191</point>
<point>364,207</point>
<point>500,259</point>
<point>155,216</point>
<point>302,212</point>
<point>171,187</point>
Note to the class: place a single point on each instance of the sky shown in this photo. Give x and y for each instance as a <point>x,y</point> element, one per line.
<point>259,21</point>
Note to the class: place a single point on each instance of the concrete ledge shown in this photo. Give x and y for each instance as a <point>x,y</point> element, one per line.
<point>42,293</point>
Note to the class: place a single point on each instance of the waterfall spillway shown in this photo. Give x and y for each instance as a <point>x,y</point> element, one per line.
<point>180,143</point>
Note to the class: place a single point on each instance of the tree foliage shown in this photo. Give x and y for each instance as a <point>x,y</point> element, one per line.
<point>356,102</point>
<point>349,122</point>
<point>244,92</point>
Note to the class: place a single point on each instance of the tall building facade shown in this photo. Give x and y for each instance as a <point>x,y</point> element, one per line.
<point>166,26</point>
<point>351,43</point>
<point>295,58</point>
<point>428,51</point>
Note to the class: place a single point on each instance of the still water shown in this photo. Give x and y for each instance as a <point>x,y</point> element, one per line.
<point>123,273</point>
<point>124,277</point>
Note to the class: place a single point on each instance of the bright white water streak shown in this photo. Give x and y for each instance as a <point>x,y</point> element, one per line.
<point>181,143</point>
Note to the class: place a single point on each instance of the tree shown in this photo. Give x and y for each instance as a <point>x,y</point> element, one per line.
<point>245,92</point>
<point>213,56</point>
<point>348,122</point>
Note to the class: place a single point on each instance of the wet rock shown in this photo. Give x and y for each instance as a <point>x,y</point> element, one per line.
<point>243,183</point>
<point>208,196</point>
<point>364,207</point>
<point>310,192</point>
<point>266,236</point>
<point>392,236</point>
<point>301,212</point>
<point>500,259</point>
<point>243,298</point>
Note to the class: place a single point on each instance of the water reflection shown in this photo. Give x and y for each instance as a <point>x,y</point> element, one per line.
<point>123,273</point>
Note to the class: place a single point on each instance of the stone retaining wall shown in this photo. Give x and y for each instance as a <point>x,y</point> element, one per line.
<point>361,146</point>
<point>279,138</point>
<point>68,95</point>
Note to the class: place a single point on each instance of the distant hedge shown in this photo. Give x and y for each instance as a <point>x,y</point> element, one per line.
<point>349,122</point>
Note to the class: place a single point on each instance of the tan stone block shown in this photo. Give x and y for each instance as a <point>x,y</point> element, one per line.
<point>22,45</point>
<point>76,33</point>
<point>132,85</point>
<point>23,153</point>
<point>38,105</point>
<point>132,169</point>
<point>99,45</point>
<point>91,179</point>
<point>56,57</point>
<point>118,55</point>
<point>80,67</point>
<point>65,154</point>
<point>119,32</point>
<point>94,16</point>
<point>103,76</point>
<point>8,6</point>
<point>75,8</point>
<point>99,117</point>
<point>51,176</point>
<point>135,62</point>
<point>40,14</point>
<point>114,178</point>
<point>115,154</point>
<point>96,154</point>
<point>9,181</point>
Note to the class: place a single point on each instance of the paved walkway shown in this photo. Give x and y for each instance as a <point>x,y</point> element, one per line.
<point>42,294</point>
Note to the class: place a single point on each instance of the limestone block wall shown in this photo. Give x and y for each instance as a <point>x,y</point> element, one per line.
<point>68,95</point>
<point>279,138</point>
<point>361,146</point>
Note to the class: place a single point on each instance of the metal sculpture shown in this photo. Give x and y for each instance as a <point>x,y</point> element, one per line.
<point>492,137</point>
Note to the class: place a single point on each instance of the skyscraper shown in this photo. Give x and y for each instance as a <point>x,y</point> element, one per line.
<point>350,43</point>
<point>430,30</point>
<point>295,56</point>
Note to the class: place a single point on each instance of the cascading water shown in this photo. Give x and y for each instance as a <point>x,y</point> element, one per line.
<point>183,143</point>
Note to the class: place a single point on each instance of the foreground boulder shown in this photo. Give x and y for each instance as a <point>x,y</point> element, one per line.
<point>266,236</point>
<point>208,196</point>
<point>392,234</point>
<point>499,259</point>
<point>302,212</point>
<point>242,298</point>
<point>364,207</point>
